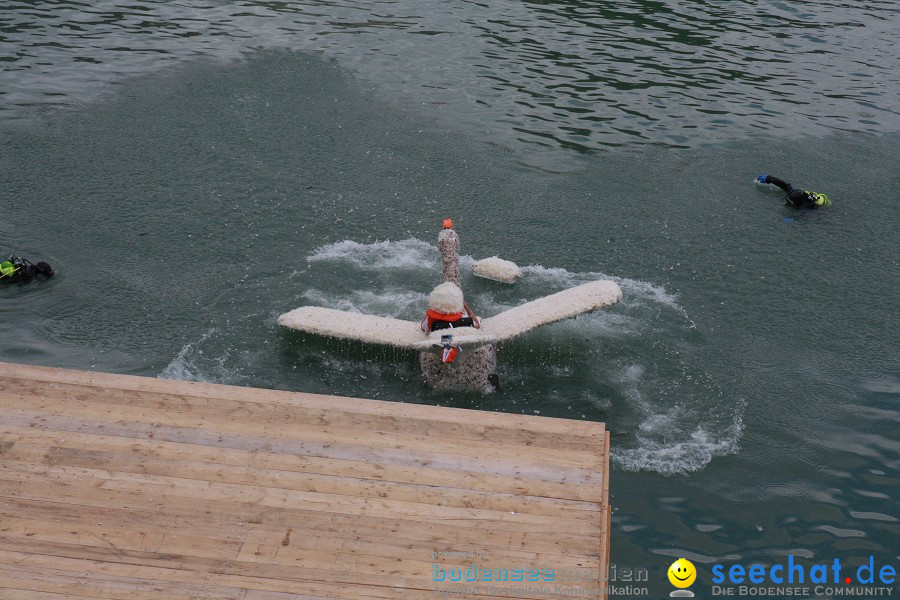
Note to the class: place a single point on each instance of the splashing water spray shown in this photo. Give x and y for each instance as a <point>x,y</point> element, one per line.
<point>454,352</point>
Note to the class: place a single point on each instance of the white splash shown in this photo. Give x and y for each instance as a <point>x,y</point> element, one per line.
<point>691,451</point>
<point>192,364</point>
<point>667,439</point>
<point>411,253</point>
<point>388,303</point>
<point>633,289</point>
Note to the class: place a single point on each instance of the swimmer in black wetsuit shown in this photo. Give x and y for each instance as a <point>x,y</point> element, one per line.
<point>796,197</point>
<point>19,270</point>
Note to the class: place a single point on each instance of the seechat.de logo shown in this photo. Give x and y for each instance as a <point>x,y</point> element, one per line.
<point>682,574</point>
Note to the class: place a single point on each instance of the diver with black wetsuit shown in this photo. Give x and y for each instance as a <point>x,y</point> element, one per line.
<point>20,270</point>
<point>796,197</point>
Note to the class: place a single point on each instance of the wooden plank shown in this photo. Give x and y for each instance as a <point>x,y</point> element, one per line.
<point>278,427</point>
<point>442,533</point>
<point>129,563</point>
<point>134,486</point>
<point>46,452</point>
<point>603,554</point>
<point>121,487</point>
<point>152,582</point>
<point>284,547</point>
<point>105,383</point>
<point>301,418</point>
<point>12,593</point>
<point>158,582</point>
<point>208,540</point>
<point>154,450</point>
<point>301,415</point>
<point>160,515</point>
<point>500,464</point>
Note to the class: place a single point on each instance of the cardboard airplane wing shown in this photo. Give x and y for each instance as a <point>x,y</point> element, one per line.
<point>408,334</point>
<point>568,303</point>
<point>353,326</point>
<point>376,330</point>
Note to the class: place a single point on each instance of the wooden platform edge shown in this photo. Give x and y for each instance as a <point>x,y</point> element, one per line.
<point>204,389</point>
<point>605,529</point>
<point>53,386</point>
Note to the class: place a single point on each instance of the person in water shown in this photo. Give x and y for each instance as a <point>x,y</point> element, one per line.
<point>446,308</point>
<point>20,270</point>
<point>796,197</point>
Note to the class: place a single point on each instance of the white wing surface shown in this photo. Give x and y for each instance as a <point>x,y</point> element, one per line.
<point>376,330</point>
<point>549,309</point>
<point>407,334</point>
<point>353,326</point>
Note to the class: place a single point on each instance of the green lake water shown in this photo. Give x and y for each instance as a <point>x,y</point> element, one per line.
<point>194,170</point>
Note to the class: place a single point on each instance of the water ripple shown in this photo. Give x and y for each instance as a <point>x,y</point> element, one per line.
<point>572,74</point>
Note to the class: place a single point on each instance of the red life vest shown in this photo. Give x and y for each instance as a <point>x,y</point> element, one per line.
<point>432,315</point>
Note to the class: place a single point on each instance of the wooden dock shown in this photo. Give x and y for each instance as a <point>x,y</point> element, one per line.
<point>133,488</point>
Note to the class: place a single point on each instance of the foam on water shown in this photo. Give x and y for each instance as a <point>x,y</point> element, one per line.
<point>411,253</point>
<point>633,290</point>
<point>415,254</point>
<point>679,456</point>
<point>679,419</point>
<point>389,303</point>
<point>191,364</point>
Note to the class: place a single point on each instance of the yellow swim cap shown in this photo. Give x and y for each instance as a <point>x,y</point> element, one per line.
<point>821,199</point>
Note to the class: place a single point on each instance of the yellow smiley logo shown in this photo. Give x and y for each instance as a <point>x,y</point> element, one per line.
<point>682,573</point>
